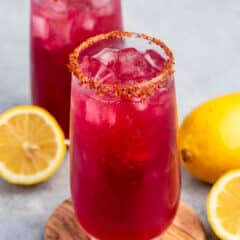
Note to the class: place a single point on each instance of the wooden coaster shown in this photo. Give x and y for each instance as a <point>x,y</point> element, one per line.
<point>62,225</point>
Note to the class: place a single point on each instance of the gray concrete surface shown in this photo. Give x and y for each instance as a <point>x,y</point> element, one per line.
<point>204,36</point>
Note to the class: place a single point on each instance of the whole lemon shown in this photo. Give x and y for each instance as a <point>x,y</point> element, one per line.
<point>210,138</point>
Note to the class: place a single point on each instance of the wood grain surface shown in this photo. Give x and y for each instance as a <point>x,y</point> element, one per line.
<point>62,225</point>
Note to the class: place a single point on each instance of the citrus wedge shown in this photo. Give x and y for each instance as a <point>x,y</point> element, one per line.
<point>32,145</point>
<point>223,206</point>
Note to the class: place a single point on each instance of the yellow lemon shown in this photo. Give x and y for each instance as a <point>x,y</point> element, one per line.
<point>223,206</point>
<point>32,145</point>
<point>210,138</point>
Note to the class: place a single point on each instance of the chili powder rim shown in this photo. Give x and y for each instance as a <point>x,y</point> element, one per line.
<point>139,90</point>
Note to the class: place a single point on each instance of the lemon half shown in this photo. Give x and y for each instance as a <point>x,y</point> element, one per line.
<point>32,145</point>
<point>223,206</point>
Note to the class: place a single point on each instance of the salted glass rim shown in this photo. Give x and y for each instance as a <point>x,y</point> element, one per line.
<point>143,89</point>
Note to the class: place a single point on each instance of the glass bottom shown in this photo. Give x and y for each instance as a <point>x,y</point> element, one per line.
<point>157,238</point>
<point>92,238</point>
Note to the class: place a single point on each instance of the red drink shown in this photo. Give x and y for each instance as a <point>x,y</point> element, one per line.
<point>57,26</point>
<point>125,174</point>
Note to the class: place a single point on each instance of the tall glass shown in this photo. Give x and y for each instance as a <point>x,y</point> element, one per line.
<point>57,26</point>
<point>125,173</point>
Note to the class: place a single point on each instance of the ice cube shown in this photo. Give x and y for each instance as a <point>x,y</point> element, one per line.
<point>155,59</point>
<point>140,150</point>
<point>93,68</point>
<point>99,114</point>
<point>92,112</point>
<point>132,65</point>
<point>100,3</point>
<point>139,155</point>
<point>105,75</point>
<point>88,66</point>
<point>52,9</point>
<point>110,116</point>
<point>105,11</point>
<point>60,31</point>
<point>103,7</point>
<point>53,4</point>
<point>88,22</point>
<point>108,56</point>
<point>79,5</point>
<point>59,5</point>
<point>40,27</point>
